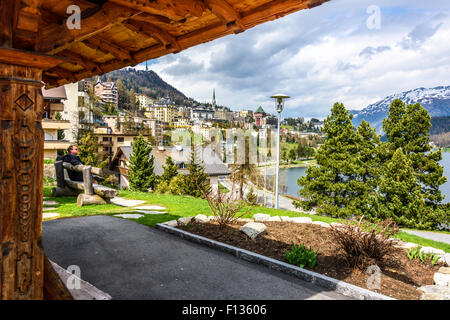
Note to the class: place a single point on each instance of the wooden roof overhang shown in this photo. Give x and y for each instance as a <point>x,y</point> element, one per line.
<point>119,33</point>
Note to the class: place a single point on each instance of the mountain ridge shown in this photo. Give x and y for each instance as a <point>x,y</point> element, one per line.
<point>436,100</point>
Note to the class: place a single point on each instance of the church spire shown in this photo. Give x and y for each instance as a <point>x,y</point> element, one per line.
<point>214,99</point>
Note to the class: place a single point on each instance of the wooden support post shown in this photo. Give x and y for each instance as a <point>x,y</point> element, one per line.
<point>21,173</point>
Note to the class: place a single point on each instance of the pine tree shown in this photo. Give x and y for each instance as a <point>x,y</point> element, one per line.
<point>401,195</point>
<point>408,128</point>
<point>170,170</point>
<point>330,185</point>
<point>141,175</point>
<point>196,183</point>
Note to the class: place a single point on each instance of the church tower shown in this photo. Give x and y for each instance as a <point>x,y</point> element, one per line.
<point>214,99</point>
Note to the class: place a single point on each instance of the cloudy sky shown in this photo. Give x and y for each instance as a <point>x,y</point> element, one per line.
<point>352,51</point>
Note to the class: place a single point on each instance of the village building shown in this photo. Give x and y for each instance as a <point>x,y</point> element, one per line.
<point>214,166</point>
<point>53,105</point>
<point>107,92</point>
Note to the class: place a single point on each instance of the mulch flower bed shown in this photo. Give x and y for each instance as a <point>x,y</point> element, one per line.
<point>398,280</point>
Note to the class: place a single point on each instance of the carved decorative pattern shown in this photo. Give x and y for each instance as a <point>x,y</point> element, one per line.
<point>24,153</point>
<point>24,102</point>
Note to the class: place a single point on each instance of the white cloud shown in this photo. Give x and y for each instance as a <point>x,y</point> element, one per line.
<point>320,56</point>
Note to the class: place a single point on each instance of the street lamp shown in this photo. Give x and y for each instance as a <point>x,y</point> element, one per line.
<point>279,105</point>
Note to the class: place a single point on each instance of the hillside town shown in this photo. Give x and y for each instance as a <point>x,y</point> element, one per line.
<point>85,106</point>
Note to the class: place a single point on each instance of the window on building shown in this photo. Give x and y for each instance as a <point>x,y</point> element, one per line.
<point>120,139</point>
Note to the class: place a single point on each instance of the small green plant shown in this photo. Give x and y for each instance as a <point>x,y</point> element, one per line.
<point>415,253</point>
<point>302,256</point>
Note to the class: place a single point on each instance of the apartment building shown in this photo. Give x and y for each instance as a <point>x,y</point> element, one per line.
<point>107,92</point>
<point>53,105</point>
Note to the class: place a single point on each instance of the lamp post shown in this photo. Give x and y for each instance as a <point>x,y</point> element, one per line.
<point>279,104</point>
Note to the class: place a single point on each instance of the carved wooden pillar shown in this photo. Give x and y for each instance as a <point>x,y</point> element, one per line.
<point>21,173</point>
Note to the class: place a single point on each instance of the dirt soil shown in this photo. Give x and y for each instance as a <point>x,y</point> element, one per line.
<point>398,280</point>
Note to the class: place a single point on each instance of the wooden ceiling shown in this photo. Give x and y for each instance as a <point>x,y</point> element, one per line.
<point>119,33</point>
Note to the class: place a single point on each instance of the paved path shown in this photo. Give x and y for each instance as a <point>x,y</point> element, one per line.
<point>131,261</point>
<point>436,236</point>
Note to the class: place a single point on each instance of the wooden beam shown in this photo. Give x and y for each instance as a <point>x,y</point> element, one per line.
<point>153,18</point>
<point>58,38</point>
<point>82,61</point>
<point>226,13</point>
<point>100,43</point>
<point>164,37</point>
<point>8,10</point>
<point>173,9</point>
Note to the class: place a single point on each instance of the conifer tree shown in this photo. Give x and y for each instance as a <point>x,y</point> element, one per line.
<point>196,183</point>
<point>401,194</point>
<point>408,128</point>
<point>330,185</point>
<point>170,170</point>
<point>141,175</point>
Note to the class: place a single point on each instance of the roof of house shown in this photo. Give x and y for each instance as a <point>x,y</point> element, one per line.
<point>260,110</point>
<point>214,166</point>
<point>54,93</point>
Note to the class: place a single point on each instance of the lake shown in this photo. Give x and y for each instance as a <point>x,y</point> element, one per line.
<point>289,176</point>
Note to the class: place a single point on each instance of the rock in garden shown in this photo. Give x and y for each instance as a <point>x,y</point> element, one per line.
<point>442,279</point>
<point>129,215</point>
<point>184,221</point>
<point>253,229</point>
<point>446,259</point>
<point>337,225</point>
<point>261,217</point>
<point>445,270</point>
<point>201,218</point>
<point>427,250</point>
<point>245,219</point>
<point>409,245</point>
<point>322,224</point>
<point>275,218</point>
<point>301,220</point>
<point>286,219</point>
<point>171,223</point>
<point>434,293</point>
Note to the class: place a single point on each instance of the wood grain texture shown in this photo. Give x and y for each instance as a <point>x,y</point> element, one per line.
<point>21,182</point>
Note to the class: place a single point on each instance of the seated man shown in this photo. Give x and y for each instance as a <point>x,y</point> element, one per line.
<point>73,158</point>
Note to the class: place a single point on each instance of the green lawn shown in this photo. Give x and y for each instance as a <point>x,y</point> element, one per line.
<point>183,206</point>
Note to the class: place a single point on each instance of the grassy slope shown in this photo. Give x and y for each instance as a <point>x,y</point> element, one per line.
<point>182,206</point>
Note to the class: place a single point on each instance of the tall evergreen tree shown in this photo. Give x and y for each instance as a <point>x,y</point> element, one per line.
<point>330,185</point>
<point>141,175</point>
<point>170,170</point>
<point>408,128</point>
<point>196,183</point>
<point>401,194</point>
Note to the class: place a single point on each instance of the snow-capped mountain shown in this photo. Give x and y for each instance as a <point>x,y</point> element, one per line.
<point>435,100</point>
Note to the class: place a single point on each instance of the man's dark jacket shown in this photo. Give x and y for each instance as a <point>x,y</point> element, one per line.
<point>74,160</point>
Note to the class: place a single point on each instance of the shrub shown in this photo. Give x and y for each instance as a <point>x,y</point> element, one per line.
<point>163,187</point>
<point>177,185</point>
<point>363,248</point>
<point>251,196</point>
<point>302,256</point>
<point>224,208</point>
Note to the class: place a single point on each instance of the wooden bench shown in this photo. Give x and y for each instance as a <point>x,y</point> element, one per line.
<point>87,191</point>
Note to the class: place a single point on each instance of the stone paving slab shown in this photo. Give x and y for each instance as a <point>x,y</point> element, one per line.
<point>150,212</point>
<point>129,215</point>
<point>126,202</point>
<point>49,208</point>
<point>48,215</point>
<point>150,207</point>
<point>51,202</point>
